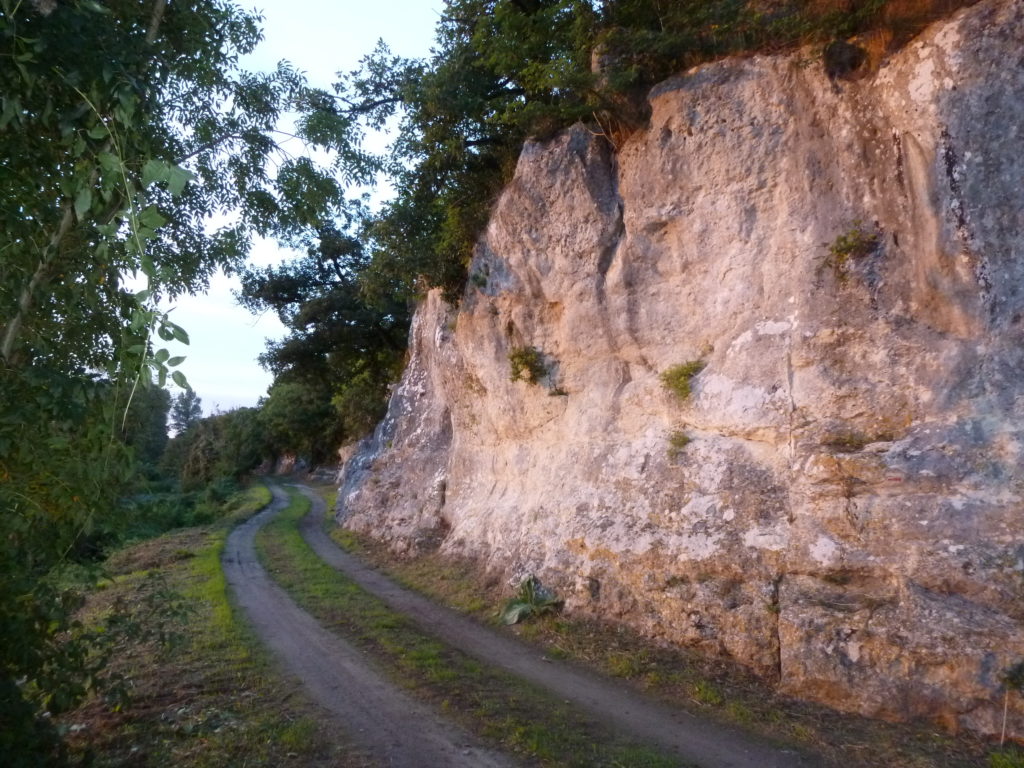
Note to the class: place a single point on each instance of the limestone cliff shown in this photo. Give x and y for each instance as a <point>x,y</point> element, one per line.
<point>847,516</point>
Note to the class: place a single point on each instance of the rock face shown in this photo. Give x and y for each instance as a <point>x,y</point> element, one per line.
<point>847,516</point>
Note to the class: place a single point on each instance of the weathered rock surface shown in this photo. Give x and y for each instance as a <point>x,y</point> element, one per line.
<point>847,518</point>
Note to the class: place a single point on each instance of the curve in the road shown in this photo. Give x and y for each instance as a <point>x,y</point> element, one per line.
<point>694,739</point>
<point>378,716</point>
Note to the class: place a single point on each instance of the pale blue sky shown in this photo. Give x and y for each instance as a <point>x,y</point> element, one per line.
<point>319,38</point>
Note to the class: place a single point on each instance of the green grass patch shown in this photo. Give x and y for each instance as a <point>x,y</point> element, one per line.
<point>1010,757</point>
<point>496,706</point>
<point>214,700</point>
<point>677,378</point>
<point>680,677</point>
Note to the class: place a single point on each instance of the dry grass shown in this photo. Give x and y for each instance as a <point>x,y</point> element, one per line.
<point>214,700</point>
<point>712,687</point>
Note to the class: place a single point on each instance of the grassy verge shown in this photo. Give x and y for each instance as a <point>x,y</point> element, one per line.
<point>211,699</point>
<point>686,680</point>
<point>499,708</point>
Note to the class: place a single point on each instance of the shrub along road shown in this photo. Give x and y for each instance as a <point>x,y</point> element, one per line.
<point>396,729</point>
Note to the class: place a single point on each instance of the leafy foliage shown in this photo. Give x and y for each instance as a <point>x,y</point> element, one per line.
<point>123,127</point>
<point>186,411</point>
<point>298,418</point>
<point>534,599</point>
<point>345,344</point>
<point>223,446</point>
<point>677,442</point>
<point>856,242</point>
<point>526,363</point>
<point>677,378</point>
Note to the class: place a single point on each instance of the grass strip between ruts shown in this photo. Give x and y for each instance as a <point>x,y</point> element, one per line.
<point>498,707</point>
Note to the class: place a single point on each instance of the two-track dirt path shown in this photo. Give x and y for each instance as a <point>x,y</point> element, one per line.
<point>693,739</point>
<point>378,716</point>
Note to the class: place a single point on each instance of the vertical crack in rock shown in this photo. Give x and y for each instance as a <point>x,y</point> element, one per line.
<point>775,609</point>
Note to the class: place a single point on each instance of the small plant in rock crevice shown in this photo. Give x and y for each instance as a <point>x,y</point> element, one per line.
<point>526,363</point>
<point>851,441</point>
<point>855,243</point>
<point>677,378</point>
<point>1012,680</point>
<point>677,441</point>
<point>534,599</point>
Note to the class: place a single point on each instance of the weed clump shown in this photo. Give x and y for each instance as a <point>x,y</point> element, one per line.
<point>853,441</point>
<point>534,599</point>
<point>526,363</point>
<point>853,244</point>
<point>677,378</point>
<point>677,441</point>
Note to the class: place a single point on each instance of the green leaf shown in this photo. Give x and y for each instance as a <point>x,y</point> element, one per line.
<point>143,295</point>
<point>161,356</point>
<point>154,170</point>
<point>179,333</point>
<point>163,376</point>
<point>179,378</point>
<point>146,264</point>
<point>151,218</point>
<point>165,333</point>
<point>177,178</point>
<point>83,202</point>
<point>109,162</point>
<point>98,131</point>
<point>174,361</point>
<point>515,612</point>
<point>11,110</point>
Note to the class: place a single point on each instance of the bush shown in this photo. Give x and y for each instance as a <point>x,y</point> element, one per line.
<point>527,363</point>
<point>677,378</point>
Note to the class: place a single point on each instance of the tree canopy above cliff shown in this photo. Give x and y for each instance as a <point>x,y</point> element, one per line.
<point>501,71</point>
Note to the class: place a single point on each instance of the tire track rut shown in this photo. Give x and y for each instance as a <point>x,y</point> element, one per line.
<point>400,732</point>
<point>693,739</point>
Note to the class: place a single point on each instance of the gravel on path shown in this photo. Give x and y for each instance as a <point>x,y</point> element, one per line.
<point>378,716</point>
<point>693,739</point>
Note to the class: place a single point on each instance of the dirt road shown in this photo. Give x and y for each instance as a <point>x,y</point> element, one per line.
<point>695,740</point>
<point>398,731</point>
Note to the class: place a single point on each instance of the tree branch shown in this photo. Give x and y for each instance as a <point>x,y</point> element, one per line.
<point>13,327</point>
<point>154,20</point>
